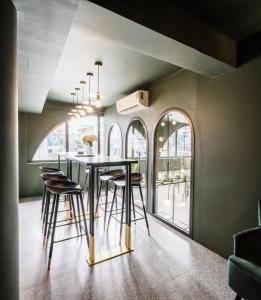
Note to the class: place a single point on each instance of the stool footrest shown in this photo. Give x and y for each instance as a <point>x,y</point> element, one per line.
<point>70,238</point>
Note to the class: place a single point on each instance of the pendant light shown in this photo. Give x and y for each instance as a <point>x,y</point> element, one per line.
<point>77,113</point>
<point>77,106</point>
<point>89,107</point>
<point>81,108</point>
<point>97,103</point>
<point>72,111</point>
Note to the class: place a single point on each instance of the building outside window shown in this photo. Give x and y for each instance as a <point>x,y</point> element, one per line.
<point>70,133</point>
<point>115,141</point>
<point>173,158</point>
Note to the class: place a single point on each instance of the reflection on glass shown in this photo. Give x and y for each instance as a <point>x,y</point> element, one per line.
<point>115,141</point>
<point>173,169</point>
<point>51,145</point>
<point>137,149</point>
<point>78,128</point>
<point>55,141</point>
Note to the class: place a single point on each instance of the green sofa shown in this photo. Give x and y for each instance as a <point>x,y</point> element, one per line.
<point>244,267</point>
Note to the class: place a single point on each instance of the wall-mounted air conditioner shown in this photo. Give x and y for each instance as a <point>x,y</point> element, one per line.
<point>133,102</point>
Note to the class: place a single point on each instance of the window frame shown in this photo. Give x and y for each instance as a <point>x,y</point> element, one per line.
<point>192,166</point>
<point>66,122</point>
<point>109,135</point>
<point>147,152</point>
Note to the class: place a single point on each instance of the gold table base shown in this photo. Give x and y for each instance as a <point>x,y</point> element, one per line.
<point>109,254</point>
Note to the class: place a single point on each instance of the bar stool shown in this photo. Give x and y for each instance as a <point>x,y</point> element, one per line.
<point>44,169</point>
<point>47,198</point>
<point>120,181</point>
<point>69,189</point>
<point>105,178</point>
<point>47,170</point>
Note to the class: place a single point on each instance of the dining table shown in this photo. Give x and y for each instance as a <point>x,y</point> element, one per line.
<point>94,163</point>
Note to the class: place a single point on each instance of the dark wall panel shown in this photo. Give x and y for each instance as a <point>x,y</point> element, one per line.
<point>9,275</point>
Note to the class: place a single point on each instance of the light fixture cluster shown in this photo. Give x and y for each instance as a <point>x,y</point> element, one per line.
<point>86,106</point>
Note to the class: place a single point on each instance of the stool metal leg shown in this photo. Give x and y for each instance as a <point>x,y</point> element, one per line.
<point>79,213</point>
<point>98,198</point>
<point>144,210</point>
<point>50,221</point>
<point>57,198</point>
<point>112,204</point>
<point>46,213</point>
<point>122,212</point>
<point>84,219</point>
<point>74,212</point>
<point>43,201</point>
<point>106,202</point>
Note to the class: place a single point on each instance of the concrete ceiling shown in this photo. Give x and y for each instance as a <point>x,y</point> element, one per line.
<point>59,41</point>
<point>238,19</point>
<point>123,71</point>
<point>43,26</point>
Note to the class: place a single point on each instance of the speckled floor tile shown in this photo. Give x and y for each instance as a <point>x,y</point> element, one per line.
<point>166,266</point>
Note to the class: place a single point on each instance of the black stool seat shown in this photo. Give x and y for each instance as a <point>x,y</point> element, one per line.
<point>136,178</point>
<point>108,175</point>
<point>62,187</point>
<point>53,176</point>
<point>44,169</point>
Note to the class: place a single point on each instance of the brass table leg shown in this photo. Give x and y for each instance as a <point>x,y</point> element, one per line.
<point>117,251</point>
<point>128,208</point>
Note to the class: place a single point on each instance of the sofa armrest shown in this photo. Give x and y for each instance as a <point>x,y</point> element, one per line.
<point>247,242</point>
<point>259,212</point>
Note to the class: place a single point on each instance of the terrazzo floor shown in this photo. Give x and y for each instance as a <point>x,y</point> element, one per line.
<point>166,265</point>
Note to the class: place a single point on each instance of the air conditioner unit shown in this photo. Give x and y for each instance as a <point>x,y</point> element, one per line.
<point>133,102</point>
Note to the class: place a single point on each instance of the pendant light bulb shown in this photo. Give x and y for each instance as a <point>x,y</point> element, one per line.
<point>89,109</point>
<point>98,103</point>
<point>98,64</point>
<point>72,111</point>
<point>81,107</point>
<point>82,112</point>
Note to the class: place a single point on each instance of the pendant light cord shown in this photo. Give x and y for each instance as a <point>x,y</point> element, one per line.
<point>98,79</point>
<point>89,90</point>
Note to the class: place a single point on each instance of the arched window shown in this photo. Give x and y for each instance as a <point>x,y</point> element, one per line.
<point>53,143</point>
<point>136,148</point>
<point>115,141</point>
<point>68,137</point>
<point>173,169</point>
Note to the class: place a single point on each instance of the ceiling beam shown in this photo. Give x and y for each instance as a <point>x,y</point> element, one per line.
<point>164,31</point>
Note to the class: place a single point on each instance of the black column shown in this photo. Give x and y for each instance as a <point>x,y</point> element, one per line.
<point>9,273</point>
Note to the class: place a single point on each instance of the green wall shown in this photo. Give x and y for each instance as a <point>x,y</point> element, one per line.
<point>33,128</point>
<point>225,115</point>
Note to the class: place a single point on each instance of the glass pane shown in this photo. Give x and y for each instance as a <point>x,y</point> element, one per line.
<point>51,145</point>
<point>137,149</point>
<point>115,141</point>
<point>78,128</point>
<point>173,169</point>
